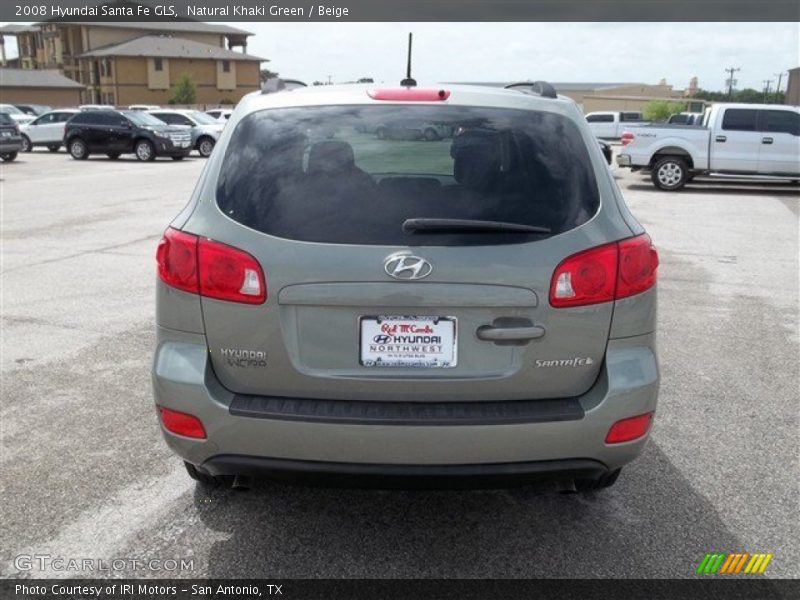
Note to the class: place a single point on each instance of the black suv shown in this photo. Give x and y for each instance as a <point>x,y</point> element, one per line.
<point>115,132</point>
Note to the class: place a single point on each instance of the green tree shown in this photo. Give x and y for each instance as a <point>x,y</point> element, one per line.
<point>661,110</point>
<point>184,91</point>
<point>265,74</point>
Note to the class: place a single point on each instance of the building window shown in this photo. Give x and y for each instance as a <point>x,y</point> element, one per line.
<point>226,66</point>
<point>158,64</point>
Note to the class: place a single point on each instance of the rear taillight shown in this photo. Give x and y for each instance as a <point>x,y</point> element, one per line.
<point>627,138</point>
<point>182,423</point>
<point>604,273</point>
<point>209,268</point>
<point>630,429</point>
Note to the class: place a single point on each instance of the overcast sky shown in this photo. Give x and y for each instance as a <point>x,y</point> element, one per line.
<point>593,52</point>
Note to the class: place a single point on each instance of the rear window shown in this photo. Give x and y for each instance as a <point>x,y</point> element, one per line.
<point>355,174</point>
<point>600,118</point>
<point>739,119</point>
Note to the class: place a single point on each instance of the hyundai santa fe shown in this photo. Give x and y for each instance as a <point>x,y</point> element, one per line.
<point>475,310</point>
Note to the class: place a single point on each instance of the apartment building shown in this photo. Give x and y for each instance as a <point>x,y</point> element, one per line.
<point>127,63</point>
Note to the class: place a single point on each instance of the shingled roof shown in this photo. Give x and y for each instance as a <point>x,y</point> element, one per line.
<point>168,47</point>
<point>36,78</point>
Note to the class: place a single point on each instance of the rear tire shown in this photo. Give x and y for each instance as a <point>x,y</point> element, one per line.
<point>78,149</point>
<point>670,173</point>
<point>593,485</point>
<point>54,147</point>
<point>27,146</point>
<point>8,157</point>
<point>205,145</point>
<point>145,151</point>
<point>206,478</point>
<point>430,135</point>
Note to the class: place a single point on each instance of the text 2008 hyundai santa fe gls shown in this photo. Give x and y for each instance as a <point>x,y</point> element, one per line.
<point>473,306</point>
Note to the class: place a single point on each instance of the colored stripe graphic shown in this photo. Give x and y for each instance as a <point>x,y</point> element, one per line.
<point>710,563</point>
<point>737,562</point>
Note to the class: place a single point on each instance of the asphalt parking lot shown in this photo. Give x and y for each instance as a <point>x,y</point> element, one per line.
<point>85,473</point>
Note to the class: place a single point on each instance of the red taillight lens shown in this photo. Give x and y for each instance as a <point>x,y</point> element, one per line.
<point>588,277</point>
<point>630,429</point>
<point>605,273</point>
<point>227,273</point>
<point>182,423</point>
<point>409,94</point>
<point>627,138</point>
<point>210,268</point>
<point>638,261</point>
<point>177,260</point>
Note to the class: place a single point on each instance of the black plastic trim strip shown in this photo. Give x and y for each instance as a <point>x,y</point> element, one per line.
<point>366,412</point>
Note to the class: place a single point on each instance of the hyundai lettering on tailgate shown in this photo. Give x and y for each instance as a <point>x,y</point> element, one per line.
<point>408,341</point>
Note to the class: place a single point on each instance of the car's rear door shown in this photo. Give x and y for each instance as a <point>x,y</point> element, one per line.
<point>780,142</point>
<point>425,316</point>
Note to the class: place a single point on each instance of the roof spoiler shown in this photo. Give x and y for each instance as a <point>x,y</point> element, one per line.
<point>276,84</point>
<point>540,88</point>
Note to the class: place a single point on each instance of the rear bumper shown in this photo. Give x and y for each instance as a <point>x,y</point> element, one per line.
<point>10,145</point>
<point>183,380</point>
<point>404,476</point>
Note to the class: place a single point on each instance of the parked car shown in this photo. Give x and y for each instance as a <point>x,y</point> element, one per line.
<point>686,118</point>
<point>19,117</point>
<point>611,124</point>
<point>605,148</point>
<point>411,129</point>
<point>144,107</point>
<point>33,109</point>
<point>116,132</point>
<point>205,129</point>
<point>46,130</point>
<point>220,114</point>
<point>757,141</point>
<point>97,107</point>
<point>332,306</point>
<point>10,138</point>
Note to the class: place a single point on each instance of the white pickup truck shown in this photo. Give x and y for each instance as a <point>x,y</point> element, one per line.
<point>751,141</point>
<point>610,124</point>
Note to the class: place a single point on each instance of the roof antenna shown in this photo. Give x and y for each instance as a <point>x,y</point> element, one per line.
<point>408,81</point>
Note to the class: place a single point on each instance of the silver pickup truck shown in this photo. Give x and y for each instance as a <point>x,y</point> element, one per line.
<point>753,141</point>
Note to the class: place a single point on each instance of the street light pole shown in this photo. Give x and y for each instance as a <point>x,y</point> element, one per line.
<point>766,90</point>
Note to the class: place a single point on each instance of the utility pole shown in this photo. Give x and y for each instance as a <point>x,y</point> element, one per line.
<point>731,81</point>
<point>766,90</point>
<point>778,87</point>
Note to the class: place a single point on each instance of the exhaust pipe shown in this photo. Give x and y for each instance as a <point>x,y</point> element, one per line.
<point>241,483</point>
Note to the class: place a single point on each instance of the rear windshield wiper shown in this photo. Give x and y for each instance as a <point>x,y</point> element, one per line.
<point>469,226</point>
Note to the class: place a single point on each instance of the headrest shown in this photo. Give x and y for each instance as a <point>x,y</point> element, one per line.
<point>477,158</point>
<point>330,157</point>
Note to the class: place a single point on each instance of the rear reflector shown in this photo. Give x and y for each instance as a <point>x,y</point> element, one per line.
<point>209,268</point>
<point>604,273</point>
<point>182,423</point>
<point>630,429</point>
<point>409,94</point>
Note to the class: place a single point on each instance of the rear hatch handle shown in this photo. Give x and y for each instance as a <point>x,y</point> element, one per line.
<point>509,334</point>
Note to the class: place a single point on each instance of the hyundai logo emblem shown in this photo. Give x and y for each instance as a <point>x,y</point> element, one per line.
<point>406,266</point>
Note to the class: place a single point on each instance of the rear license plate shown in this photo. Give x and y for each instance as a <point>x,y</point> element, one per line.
<point>408,341</point>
